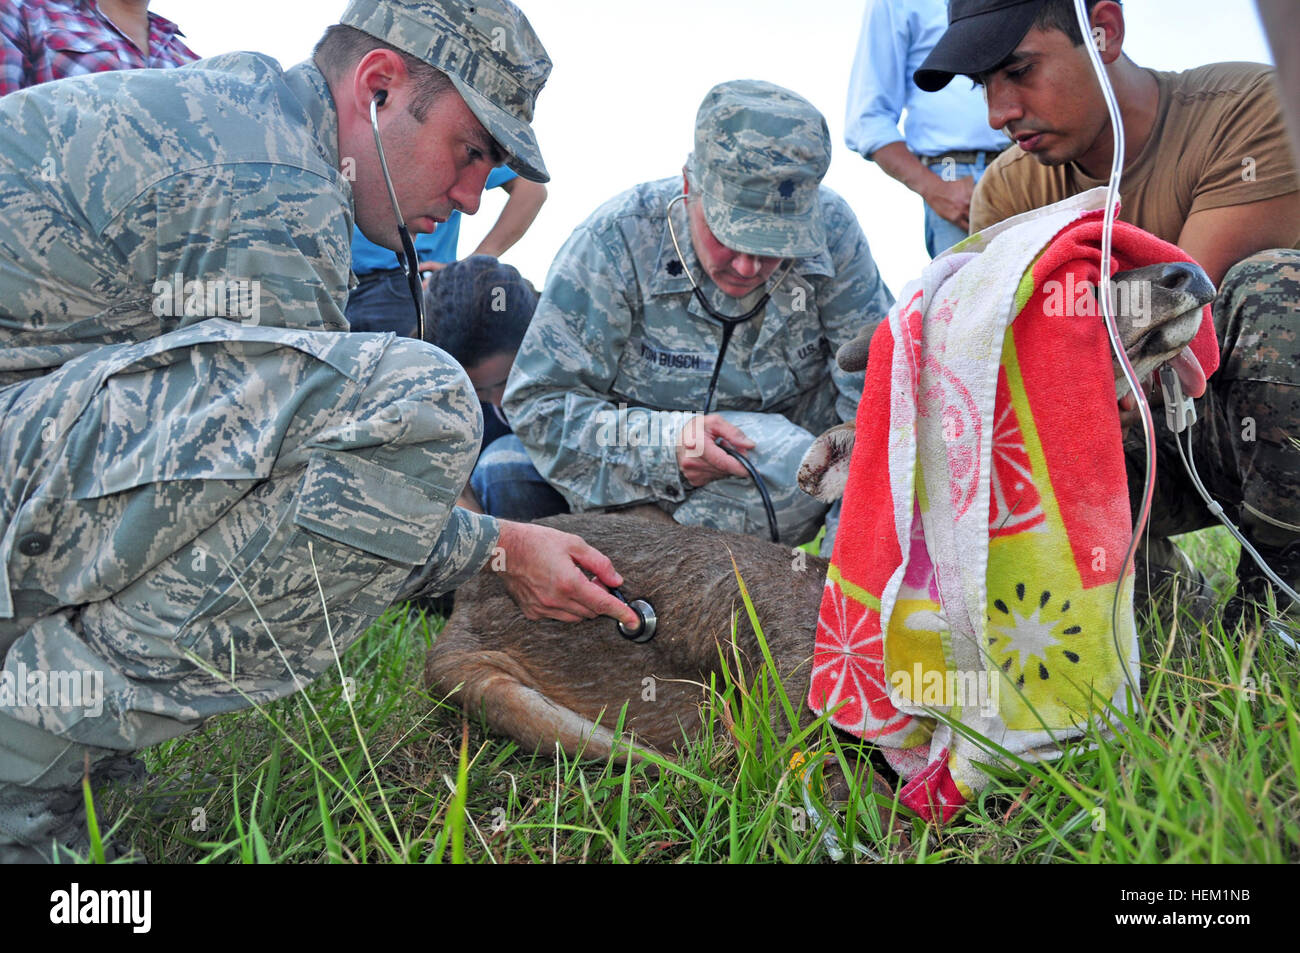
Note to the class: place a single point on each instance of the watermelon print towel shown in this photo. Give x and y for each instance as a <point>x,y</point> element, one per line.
<point>986,514</point>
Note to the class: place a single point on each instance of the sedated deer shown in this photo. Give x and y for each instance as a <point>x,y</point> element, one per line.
<point>542,682</point>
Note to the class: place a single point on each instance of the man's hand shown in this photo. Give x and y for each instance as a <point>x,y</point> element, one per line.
<point>543,568</point>
<point>524,201</point>
<point>1129,414</point>
<point>427,268</point>
<point>700,459</point>
<point>950,199</point>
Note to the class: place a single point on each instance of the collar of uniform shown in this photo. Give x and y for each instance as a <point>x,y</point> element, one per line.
<point>308,85</point>
<point>670,272</point>
<point>670,278</point>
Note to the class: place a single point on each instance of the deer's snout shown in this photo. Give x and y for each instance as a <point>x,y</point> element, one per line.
<point>1158,312</point>
<point>1185,278</point>
<point>1155,295</point>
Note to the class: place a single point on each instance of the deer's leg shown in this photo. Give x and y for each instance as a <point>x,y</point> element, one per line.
<point>496,684</point>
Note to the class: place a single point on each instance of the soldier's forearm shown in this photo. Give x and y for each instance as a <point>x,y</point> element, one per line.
<point>520,211</point>
<point>899,163</point>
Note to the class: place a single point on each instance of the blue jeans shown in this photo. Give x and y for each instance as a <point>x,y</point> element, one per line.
<point>941,234</point>
<point>382,302</point>
<point>508,486</point>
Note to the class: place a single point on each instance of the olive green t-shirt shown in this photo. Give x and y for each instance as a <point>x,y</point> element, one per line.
<point>1218,140</point>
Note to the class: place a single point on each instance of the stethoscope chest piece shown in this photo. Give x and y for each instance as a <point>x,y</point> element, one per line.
<point>645,630</point>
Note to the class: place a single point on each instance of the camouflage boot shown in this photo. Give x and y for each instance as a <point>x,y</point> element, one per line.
<point>1256,592</point>
<point>42,826</point>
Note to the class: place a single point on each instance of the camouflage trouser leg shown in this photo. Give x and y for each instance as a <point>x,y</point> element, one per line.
<point>1245,440</point>
<point>210,523</point>
<point>734,504</point>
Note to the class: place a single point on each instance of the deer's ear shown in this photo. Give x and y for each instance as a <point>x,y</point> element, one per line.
<point>825,467</point>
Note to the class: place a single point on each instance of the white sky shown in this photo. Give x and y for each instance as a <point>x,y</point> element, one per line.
<point>620,105</point>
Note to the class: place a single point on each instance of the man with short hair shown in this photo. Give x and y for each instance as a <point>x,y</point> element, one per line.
<point>204,493</point>
<point>44,40</point>
<point>479,310</point>
<point>1207,167</point>
<point>680,313</point>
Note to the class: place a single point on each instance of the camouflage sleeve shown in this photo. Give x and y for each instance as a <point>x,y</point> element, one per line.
<point>587,447</point>
<point>466,544</point>
<point>854,298</point>
<point>277,236</point>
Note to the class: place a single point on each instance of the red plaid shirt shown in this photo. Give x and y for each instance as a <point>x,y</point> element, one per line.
<point>41,40</point>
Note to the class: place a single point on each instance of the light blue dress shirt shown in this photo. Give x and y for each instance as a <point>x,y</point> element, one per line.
<point>897,35</point>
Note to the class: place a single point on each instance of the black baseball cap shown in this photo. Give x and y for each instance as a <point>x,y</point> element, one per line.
<point>980,35</point>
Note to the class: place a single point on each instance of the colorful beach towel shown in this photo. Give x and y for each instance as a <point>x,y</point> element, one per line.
<point>986,515</point>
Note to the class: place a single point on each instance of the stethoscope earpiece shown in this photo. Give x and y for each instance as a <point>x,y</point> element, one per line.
<point>408,258</point>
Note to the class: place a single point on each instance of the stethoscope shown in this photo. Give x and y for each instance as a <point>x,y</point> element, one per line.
<point>644,630</point>
<point>729,324</point>
<point>647,621</point>
<point>407,257</point>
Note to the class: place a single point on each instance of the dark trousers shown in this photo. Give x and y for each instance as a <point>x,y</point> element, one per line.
<point>1245,438</point>
<point>382,302</point>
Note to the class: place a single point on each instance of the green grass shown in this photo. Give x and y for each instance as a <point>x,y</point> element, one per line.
<point>1206,771</point>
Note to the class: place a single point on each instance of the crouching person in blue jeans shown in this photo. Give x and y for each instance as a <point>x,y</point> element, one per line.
<point>478,310</point>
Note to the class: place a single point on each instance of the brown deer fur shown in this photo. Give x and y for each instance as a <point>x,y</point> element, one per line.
<point>544,681</point>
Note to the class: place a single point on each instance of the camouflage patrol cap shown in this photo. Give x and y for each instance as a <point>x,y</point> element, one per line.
<point>489,51</point>
<point>760,154</point>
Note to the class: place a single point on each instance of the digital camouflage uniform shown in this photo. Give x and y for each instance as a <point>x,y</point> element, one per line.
<point>619,347</point>
<point>1244,442</point>
<point>206,510</point>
